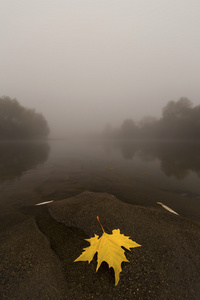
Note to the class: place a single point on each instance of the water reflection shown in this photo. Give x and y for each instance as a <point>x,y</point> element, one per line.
<point>18,157</point>
<point>177,158</point>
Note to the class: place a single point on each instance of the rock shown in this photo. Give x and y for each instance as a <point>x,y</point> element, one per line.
<point>29,268</point>
<point>38,255</point>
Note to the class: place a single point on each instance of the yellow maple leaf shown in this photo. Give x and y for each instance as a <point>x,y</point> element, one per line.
<point>109,249</point>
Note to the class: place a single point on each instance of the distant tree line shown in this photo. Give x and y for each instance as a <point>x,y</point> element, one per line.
<point>18,122</point>
<point>180,120</point>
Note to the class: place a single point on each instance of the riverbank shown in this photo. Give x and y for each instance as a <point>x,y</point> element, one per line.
<point>38,254</point>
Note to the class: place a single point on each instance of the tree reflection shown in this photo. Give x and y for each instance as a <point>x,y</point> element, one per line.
<point>128,149</point>
<point>18,157</point>
<point>177,158</point>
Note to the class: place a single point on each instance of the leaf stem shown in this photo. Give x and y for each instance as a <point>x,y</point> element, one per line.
<point>100,223</point>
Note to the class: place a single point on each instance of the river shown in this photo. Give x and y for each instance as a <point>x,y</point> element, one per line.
<point>140,173</point>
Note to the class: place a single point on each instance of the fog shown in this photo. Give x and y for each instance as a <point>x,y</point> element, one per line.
<point>83,64</point>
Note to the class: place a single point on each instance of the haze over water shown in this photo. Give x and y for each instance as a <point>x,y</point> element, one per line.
<point>139,173</point>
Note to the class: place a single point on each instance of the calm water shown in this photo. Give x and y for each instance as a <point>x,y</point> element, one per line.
<point>137,173</point>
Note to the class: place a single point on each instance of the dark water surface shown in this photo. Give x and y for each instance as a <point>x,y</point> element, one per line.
<point>141,173</point>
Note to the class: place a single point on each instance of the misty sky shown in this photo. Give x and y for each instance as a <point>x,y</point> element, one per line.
<point>83,63</point>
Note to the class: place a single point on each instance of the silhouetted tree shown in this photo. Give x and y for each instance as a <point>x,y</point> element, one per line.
<point>129,129</point>
<point>18,122</point>
<point>177,110</point>
<point>148,127</point>
<point>180,120</point>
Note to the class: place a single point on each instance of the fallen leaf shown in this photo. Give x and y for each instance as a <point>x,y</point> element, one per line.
<point>43,203</point>
<point>109,249</point>
<point>167,208</point>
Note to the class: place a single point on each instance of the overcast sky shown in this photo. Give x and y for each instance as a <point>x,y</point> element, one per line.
<point>83,63</point>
